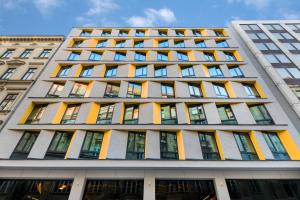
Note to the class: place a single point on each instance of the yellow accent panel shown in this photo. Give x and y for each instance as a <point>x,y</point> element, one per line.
<point>93,43</point>
<point>289,144</point>
<point>170,58</point>
<point>156,113</point>
<point>89,89</point>
<point>70,145</point>
<point>145,89</point>
<point>113,43</point>
<point>220,148</point>
<point>216,55</point>
<point>93,113</point>
<point>26,113</point>
<point>103,71</point>
<point>78,71</point>
<point>59,113</point>
<point>147,55</point>
<point>230,90</point>
<point>237,55</point>
<point>122,113</point>
<point>191,56</point>
<point>204,32</point>
<point>155,43</point>
<point>181,153</point>
<point>205,69</point>
<point>131,70</point>
<point>105,145</point>
<point>71,43</point>
<point>203,89</point>
<point>147,32</point>
<point>186,112</point>
<point>259,90</point>
<point>257,148</point>
<point>55,71</point>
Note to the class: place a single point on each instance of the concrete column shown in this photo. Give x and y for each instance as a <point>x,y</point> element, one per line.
<point>146,109</point>
<point>74,69</point>
<point>276,113</point>
<point>199,72</point>
<point>152,146</point>
<point>8,141</point>
<point>78,186</point>
<point>76,145</point>
<point>98,89</point>
<point>40,90</point>
<point>130,55</point>
<point>123,89</point>
<point>182,89</point>
<point>263,145</point>
<point>150,72</point>
<point>192,148</point>
<point>118,110</point>
<point>225,70</point>
<point>211,113</point>
<point>209,89</point>
<point>181,113</point>
<point>41,145</point>
<point>229,146</point>
<point>239,90</point>
<point>221,188</point>
<point>49,113</point>
<point>67,89</point>
<point>83,113</point>
<point>117,145</point>
<point>242,113</point>
<point>154,89</point>
<point>108,55</point>
<point>149,186</point>
<point>198,56</point>
<point>123,70</point>
<point>98,70</point>
<point>152,56</point>
<point>173,71</point>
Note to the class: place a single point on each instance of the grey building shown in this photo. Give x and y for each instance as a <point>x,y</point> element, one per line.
<point>150,113</point>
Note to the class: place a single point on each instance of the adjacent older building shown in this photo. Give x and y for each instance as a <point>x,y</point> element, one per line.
<point>21,60</point>
<point>150,113</point>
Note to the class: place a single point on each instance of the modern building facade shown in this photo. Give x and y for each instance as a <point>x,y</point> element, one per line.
<point>276,45</point>
<point>21,60</point>
<point>150,113</point>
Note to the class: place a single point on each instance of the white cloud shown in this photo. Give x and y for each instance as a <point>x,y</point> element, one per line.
<point>10,4</point>
<point>98,7</point>
<point>259,4</point>
<point>44,6</point>
<point>152,17</point>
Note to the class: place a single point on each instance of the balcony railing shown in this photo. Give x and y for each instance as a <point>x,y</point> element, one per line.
<point>169,121</point>
<point>89,155</point>
<point>229,122</point>
<point>199,121</point>
<point>131,121</point>
<point>249,156</point>
<point>135,155</point>
<point>211,156</point>
<point>103,121</point>
<point>169,155</point>
<point>265,122</point>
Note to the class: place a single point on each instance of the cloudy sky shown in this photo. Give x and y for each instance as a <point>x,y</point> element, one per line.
<point>59,16</point>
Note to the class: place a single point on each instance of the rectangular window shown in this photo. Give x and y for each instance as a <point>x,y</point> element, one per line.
<point>7,53</point>
<point>194,90</point>
<point>187,71</point>
<point>77,43</point>
<point>45,53</point>
<point>287,73</point>
<point>235,71</point>
<point>95,56</point>
<point>120,43</point>
<point>141,71</point>
<point>230,56</point>
<point>74,56</point>
<point>92,145</point>
<point>111,71</point>
<point>105,114</point>
<point>24,146</point>
<point>168,114</point>
<point>200,44</point>
<point>139,44</point>
<point>119,56</point>
<point>106,33</point>
<point>277,58</point>
<point>260,114</point>
<point>196,33</point>
<point>134,90</point>
<point>36,114</point>
<point>160,71</point>
<point>179,33</point>
<point>226,115</point>
<point>123,33</point>
<point>168,145</point>
<point>251,90</point>
<point>86,71</point>
<point>8,73</point>
<point>70,114</point>
<point>55,90</point>
<point>215,71</point>
<point>112,90</point>
<point>131,114</point>
<point>209,56</point>
<point>163,43</point>
<point>135,146</point>
<point>219,33</point>
<point>197,115</point>
<point>26,53</point>
<point>140,56</point>
<point>7,102</point>
<point>245,146</point>
<point>101,44</point>
<point>29,74</point>
<point>276,146</point>
<point>79,90</point>
<point>139,33</point>
<point>167,90</point>
<point>182,56</point>
<point>64,71</point>
<point>295,89</point>
<point>209,146</point>
<point>85,33</point>
<point>162,56</point>
<point>220,90</point>
<point>59,145</point>
<point>162,33</point>
<point>222,44</point>
<point>179,44</point>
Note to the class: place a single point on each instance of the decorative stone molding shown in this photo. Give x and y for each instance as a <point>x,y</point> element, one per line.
<point>36,63</point>
<point>15,62</point>
<point>2,62</point>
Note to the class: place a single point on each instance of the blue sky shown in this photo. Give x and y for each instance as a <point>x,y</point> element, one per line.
<point>19,17</point>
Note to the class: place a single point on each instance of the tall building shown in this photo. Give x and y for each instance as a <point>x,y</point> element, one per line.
<point>150,113</point>
<point>276,46</point>
<point>21,60</point>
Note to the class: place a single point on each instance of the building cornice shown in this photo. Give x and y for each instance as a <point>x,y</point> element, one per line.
<point>33,38</point>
